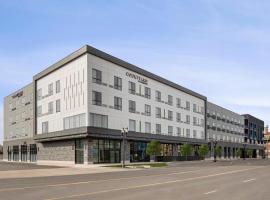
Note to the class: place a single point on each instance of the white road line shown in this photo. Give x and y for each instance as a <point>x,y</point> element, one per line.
<point>151,184</point>
<point>96,181</point>
<point>249,180</point>
<point>213,191</point>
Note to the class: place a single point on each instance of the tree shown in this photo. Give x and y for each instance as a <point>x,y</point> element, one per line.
<point>203,150</point>
<point>153,148</point>
<point>185,150</point>
<point>217,151</point>
<point>238,153</point>
<point>249,153</point>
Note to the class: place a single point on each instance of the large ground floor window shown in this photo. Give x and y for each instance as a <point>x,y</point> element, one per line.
<point>138,152</point>
<point>24,153</point>
<point>166,150</point>
<point>15,153</point>
<point>106,151</point>
<point>33,152</point>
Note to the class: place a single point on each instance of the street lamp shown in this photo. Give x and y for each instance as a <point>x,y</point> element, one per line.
<point>124,132</point>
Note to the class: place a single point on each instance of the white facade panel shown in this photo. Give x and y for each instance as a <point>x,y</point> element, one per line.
<point>72,95</point>
<point>120,119</point>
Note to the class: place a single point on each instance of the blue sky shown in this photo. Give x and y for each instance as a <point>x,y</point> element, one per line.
<point>217,48</point>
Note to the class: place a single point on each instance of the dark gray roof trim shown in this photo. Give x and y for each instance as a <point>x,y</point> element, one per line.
<point>91,50</point>
<point>248,116</point>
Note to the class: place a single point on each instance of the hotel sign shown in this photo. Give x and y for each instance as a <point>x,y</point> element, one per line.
<point>138,78</point>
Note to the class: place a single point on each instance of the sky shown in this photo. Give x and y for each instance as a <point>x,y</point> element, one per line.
<point>218,48</point>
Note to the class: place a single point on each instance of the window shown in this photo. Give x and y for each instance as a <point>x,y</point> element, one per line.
<point>158,128</point>
<point>132,106</point>
<point>96,76</point>
<point>194,108</point>
<point>39,94</point>
<point>202,122</point>
<point>50,89</point>
<point>188,132</point>
<point>202,110</point>
<point>117,103</point>
<point>132,125</point>
<point>194,121</point>
<point>194,133</point>
<point>178,103</point>
<point>158,96</point>
<point>131,87</point>
<point>170,130</point>
<point>187,119</point>
<point>98,120</point>
<point>178,117</point>
<point>96,98</point>
<point>170,115</point>
<point>147,93</point>
<point>74,121</point>
<point>187,105</point>
<point>147,127</point>
<point>58,106</point>
<point>45,127</point>
<point>57,86</point>
<point>50,108</point>
<point>158,112</point>
<point>39,111</point>
<point>170,100</point>
<point>178,131</point>
<point>117,83</point>
<point>147,109</point>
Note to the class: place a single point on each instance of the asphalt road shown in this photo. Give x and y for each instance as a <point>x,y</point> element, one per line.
<point>237,180</point>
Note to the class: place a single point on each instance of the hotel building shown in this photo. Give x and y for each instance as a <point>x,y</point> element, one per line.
<point>74,111</point>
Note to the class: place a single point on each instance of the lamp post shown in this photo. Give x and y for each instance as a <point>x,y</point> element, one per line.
<point>124,132</point>
<point>244,154</point>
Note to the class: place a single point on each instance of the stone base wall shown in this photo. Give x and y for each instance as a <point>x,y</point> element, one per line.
<point>63,150</point>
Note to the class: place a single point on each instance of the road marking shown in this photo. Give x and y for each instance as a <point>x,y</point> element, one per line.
<point>94,181</point>
<point>249,180</point>
<point>213,191</point>
<point>152,184</point>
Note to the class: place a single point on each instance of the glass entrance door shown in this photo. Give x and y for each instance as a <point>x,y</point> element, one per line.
<point>79,152</point>
<point>24,153</point>
<point>33,152</point>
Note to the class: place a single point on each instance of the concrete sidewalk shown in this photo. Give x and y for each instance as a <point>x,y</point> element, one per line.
<point>58,172</point>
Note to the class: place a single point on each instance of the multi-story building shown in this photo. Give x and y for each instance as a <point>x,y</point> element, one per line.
<point>225,127</point>
<point>254,128</point>
<point>266,134</point>
<point>18,126</point>
<point>82,103</point>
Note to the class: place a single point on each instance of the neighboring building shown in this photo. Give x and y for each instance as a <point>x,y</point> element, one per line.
<point>18,126</point>
<point>82,103</point>
<point>226,127</point>
<point>267,141</point>
<point>254,128</point>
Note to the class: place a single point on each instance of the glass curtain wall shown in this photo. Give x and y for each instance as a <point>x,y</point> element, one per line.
<point>15,153</point>
<point>106,151</point>
<point>24,153</point>
<point>138,152</point>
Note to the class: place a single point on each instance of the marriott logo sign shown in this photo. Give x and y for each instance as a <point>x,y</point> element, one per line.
<point>138,78</point>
